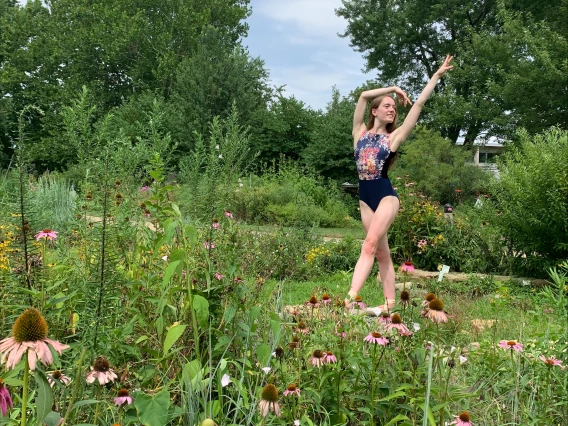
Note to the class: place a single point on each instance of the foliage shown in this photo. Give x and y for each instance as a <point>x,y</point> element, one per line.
<point>531,201</point>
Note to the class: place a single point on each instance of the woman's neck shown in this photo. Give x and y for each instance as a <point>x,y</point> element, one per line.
<point>379,129</point>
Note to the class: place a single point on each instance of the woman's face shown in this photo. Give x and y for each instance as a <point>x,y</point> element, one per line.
<point>386,111</point>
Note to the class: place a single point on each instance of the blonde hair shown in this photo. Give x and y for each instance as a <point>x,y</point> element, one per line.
<point>375,103</point>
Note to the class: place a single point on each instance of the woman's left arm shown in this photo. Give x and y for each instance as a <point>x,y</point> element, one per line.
<point>402,132</point>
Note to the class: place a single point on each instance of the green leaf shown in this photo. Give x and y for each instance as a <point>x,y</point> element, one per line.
<point>174,333</point>
<point>52,419</point>
<point>263,354</point>
<point>44,399</point>
<point>153,410</point>
<point>170,271</point>
<point>191,234</point>
<point>201,306</point>
<point>85,402</point>
<point>229,313</point>
<point>397,419</point>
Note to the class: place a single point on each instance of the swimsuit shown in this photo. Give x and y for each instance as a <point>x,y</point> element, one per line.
<point>373,157</point>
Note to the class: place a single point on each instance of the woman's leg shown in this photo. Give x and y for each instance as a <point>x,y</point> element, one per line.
<point>376,226</point>
<point>386,270</point>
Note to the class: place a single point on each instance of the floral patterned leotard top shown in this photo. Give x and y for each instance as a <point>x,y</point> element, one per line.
<point>373,156</point>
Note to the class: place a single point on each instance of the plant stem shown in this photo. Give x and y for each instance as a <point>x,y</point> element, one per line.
<point>75,386</point>
<point>24,418</point>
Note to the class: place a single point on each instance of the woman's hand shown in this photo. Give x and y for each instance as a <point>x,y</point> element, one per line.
<point>445,67</point>
<point>402,97</point>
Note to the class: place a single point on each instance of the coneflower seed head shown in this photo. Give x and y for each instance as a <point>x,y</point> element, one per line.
<point>325,296</point>
<point>30,326</point>
<point>464,416</point>
<point>318,354</point>
<point>313,300</point>
<point>270,393</point>
<point>101,365</point>
<point>396,319</point>
<point>56,374</point>
<point>291,387</point>
<point>511,343</point>
<point>430,297</point>
<point>302,324</point>
<point>376,335</point>
<point>358,298</point>
<point>405,295</point>
<point>436,305</point>
<point>295,339</point>
<point>123,392</point>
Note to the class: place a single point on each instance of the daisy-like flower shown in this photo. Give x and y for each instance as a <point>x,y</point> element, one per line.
<point>551,362</point>
<point>358,303</point>
<point>302,328</point>
<point>429,297</point>
<point>218,276</point>
<point>404,298</point>
<point>5,399</point>
<point>215,224</point>
<point>422,243</point>
<point>384,318</point>
<point>511,344</point>
<point>269,401</point>
<point>318,358</point>
<point>239,279</point>
<point>266,369</point>
<point>47,234</point>
<point>229,214</point>
<point>101,371</point>
<point>29,335</point>
<point>57,376</point>
<point>376,338</point>
<point>462,420</point>
<point>292,389</point>
<point>225,380</point>
<point>407,266</point>
<point>123,398</point>
<point>208,244</point>
<point>313,302</point>
<point>325,299</point>
<point>329,358</point>
<point>436,312</point>
<point>295,343</point>
<point>396,323</point>
<point>144,189</point>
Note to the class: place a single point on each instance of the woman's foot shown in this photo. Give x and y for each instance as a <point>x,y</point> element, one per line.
<point>388,305</point>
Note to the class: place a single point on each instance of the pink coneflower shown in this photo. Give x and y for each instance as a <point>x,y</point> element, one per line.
<point>435,312</point>
<point>384,318</point>
<point>229,214</point>
<point>404,298</point>
<point>358,303</point>
<point>295,343</point>
<point>551,362</point>
<point>57,376</point>
<point>218,276</point>
<point>318,357</point>
<point>462,420</point>
<point>145,189</point>
<point>269,401</point>
<point>313,302</point>
<point>208,245</point>
<point>407,266</point>
<point>325,299</point>
<point>376,338</point>
<point>47,234</point>
<point>428,298</point>
<point>396,323</point>
<point>292,389</point>
<point>101,371</point>
<point>302,328</point>
<point>215,224</point>
<point>239,279</point>
<point>511,344</point>
<point>329,358</point>
<point>5,399</point>
<point>123,398</point>
<point>30,335</point>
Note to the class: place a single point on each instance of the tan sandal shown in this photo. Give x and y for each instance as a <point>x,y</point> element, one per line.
<point>388,305</point>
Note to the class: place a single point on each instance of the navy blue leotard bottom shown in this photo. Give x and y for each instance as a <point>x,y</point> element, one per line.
<point>371,192</point>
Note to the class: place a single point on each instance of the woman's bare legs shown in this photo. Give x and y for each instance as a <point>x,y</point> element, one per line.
<point>376,226</point>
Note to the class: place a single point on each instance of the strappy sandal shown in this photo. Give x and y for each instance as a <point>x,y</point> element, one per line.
<point>388,305</point>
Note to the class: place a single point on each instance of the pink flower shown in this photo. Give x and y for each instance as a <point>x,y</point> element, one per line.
<point>123,398</point>
<point>218,276</point>
<point>422,243</point>
<point>57,376</point>
<point>208,245</point>
<point>511,344</point>
<point>215,224</point>
<point>5,399</point>
<point>317,359</point>
<point>325,299</point>
<point>229,214</point>
<point>313,302</point>
<point>407,266</point>
<point>384,318</point>
<point>269,401</point>
<point>551,362</point>
<point>376,338</point>
<point>329,358</point>
<point>145,189</point>
<point>30,336</point>
<point>239,279</point>
<point>462,420</point>
<point>396,323</point>
<point>102,372</point>
<point>302,328</point>
<point>292,389</point>
<point>48,234</point>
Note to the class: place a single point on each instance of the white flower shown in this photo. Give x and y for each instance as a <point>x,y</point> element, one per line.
<point>415,326</point>
<point>266,370</point>
<point>296,422</point>
<point>216,146</point>
<point>220,156</point>
<point>225,380</point>
<point>462,359</point>
<point>165,257</point>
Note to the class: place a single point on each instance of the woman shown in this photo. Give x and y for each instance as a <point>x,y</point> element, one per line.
<point>375,147</point>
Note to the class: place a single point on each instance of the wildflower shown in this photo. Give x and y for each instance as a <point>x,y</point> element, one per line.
<point>57,376</point>
<point>269,401</point>
<point>208,245</point>
<point>358,303</point>
<point>511,344</point>
<point>123,398</point>
<point>329,358</point>
<point>429,297</point>
<point>278,352</point>
<point>415,326</point>
<point>238,279</point>
<point>384,318</point>
<point>422,243</point>
<point>229,214</point>
<point>225,380</point>
<point>396,323</point>
<point>218,276</point>
<point>266,369</point>
<point>144,189</point>
<point>318,357</point>
<point>404,297</point>
<point>5,399</point>
<point>313,302</point>
<point>436,312</point>
<point>147,213</point>
<point>292,389</point>
<point>101,371</point>
<point>215,224</point>
<point>295,343</point>
<point>30,335</point>
<point>302,327</point>
<point>376,338</point>
<point>551,362</point>
<point>47,234</point>
<point>297,423</point>
<point>325,299</point>
<point>407,266</point>
<point>462,359</point>
<point>462,420</point>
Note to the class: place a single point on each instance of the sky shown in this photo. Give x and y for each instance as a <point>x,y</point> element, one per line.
<point>298,41</point>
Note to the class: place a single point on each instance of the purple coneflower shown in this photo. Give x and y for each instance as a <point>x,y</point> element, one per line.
<point>229,214</point>
<point>302,328</point>
<point>318,357</point>
<point>269,401</point>
<point>101,371</point>
<point>422,243</point>
<point>436,312</point>
<point>551,362</point>
<point>48,234</point>
<point>376,338</point>
<point>57,376</point>
<point>358,303</point>
<point>329,358</point>
<point>384,318</point>
<point>404,298</point>
<point>462,420</point>
<point>427,299</point>
<point>123,398</point>
<point>295,343</point>
<point>239,279</point>
<point>407,266</point>
<point>30,335</point>
<point>292,389</point>
<point>325,299</point>
<point>208,244</point>
<point>218,276</point>
<point>511,344</point>
<point>313,302</point>
<point>5,399</point>
<point>396,323</point>
<point>215,224</point>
